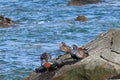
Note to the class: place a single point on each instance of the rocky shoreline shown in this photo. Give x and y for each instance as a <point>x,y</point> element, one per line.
<point>102,62</point>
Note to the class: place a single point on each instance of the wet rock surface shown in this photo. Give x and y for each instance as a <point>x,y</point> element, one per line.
<point>102,63</point>
<point>81,18</point>
<point>5,22</point>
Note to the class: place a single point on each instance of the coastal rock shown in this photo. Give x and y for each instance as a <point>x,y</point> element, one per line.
<point>102,63</point>
<point>82,2</point>
<point>5,22</point>
<point>117,77</point>
<point>33,76</point>
<point>81,18</point>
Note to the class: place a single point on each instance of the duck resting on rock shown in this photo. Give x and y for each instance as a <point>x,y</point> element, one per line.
<point>65,48</point>
<point>78,53</point>
<point>48,65</point>
<point>45,57</point>
<point>75,53</point>
<point>59,62</point>
<point>45,63</point>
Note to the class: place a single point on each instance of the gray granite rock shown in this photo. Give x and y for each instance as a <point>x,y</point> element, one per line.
<point>116,42</point>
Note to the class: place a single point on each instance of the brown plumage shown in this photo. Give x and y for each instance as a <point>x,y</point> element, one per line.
<point>65,48</point>
<point>85,53</point>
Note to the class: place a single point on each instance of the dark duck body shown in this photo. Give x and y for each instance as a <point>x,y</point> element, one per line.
<point>75,53</point>
<point>59,62</point>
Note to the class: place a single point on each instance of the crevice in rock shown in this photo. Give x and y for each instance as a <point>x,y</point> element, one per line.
<point>108,60</point>
<point>115,51</point>
<point>111,41</point>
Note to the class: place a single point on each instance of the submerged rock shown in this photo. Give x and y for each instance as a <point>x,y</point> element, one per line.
<point>82,2</point>
<point>81,18</point>
<point>5,22</point>
<point>102,62</point>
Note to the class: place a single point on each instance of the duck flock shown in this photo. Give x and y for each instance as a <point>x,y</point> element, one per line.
<point>76,54</point>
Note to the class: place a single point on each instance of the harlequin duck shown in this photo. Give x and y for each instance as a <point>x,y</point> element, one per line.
<point>75,53</point>
<point>45,57</point>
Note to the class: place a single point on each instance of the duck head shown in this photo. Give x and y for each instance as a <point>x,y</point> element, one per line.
<point>45,56</point>
<point>74,47</point>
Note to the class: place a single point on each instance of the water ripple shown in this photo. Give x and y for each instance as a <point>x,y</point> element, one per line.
<point>42,25</point>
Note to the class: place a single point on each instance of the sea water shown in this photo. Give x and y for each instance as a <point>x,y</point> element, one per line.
<point>42,25</point>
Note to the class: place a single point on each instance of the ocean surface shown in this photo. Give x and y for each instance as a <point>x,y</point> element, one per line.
<point>42,25</point>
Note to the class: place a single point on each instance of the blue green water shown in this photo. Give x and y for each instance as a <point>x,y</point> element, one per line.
<point>42,25</point>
